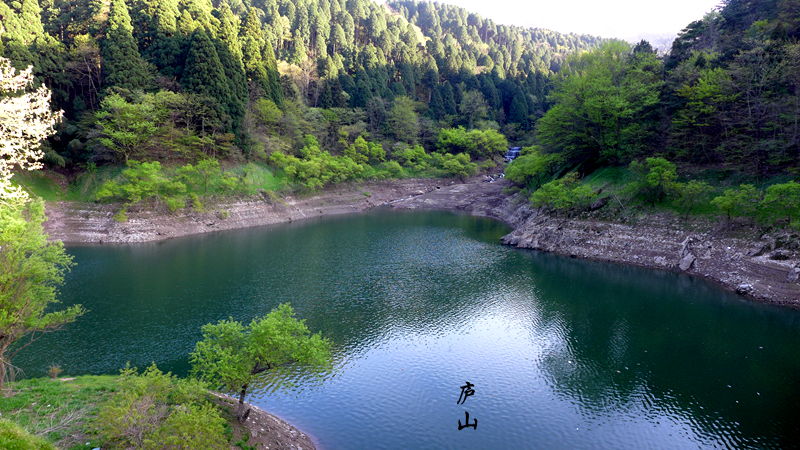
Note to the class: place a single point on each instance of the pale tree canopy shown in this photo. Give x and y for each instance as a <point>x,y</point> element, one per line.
<point>25,120</point>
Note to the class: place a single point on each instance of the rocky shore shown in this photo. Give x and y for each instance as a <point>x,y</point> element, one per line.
<point>758,266</point>
<point>762,267</point>
<point>94,223</point>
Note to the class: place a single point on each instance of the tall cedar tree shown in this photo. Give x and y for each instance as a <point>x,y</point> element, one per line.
<point>159,43</point>
<point>252,49</point>
<point>230,55</point>
<point>203,72</point>
<point>271,65</point>
<point>123,65</point>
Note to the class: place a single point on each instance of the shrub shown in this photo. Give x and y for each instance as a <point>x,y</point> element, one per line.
<point>655,179</point>
<point>533,167</point>
<point>413,157</point>
<point>150,407</point>
<point>692,194</point>
<point>741,202</point>
<point>142,182</point>
<point>563,194</point>
<point>14,437</point>
<point>782,200</point>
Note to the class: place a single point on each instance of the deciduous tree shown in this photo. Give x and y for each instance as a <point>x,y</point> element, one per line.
<point>233,355</point>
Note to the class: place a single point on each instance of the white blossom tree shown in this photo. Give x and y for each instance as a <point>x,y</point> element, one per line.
<point>25,120</point>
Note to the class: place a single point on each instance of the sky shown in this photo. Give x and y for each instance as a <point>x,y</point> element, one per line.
<point>631,20</point>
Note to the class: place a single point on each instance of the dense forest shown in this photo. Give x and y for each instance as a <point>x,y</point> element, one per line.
<point>183,75</point>
<point>315,92</point>
<point>714,124</point>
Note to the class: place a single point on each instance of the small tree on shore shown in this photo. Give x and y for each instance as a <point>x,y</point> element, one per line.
<point>233,356</point>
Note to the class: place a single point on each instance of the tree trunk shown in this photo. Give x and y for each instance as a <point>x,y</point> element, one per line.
<point>241,413</point>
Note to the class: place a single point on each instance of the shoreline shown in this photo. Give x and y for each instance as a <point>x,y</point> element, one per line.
<point>764,268</point>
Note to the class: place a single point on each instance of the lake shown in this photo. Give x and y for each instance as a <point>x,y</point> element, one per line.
<point>560,353</point>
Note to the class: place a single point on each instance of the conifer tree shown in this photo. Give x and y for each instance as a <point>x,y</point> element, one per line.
<point>436,107</point>
<point>271,65</point>
<point>252,48</point>
<point>123,65</point>
<point>161,44</point>
<point>203,72</point>
<point>234,74</point>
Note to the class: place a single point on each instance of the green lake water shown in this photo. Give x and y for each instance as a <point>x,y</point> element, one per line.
<point>562,353</point>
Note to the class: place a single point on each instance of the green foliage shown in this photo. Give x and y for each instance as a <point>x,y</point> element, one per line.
<point>479,144</point>
<point>31,268</point>
<point>123,65</point>
<point>604,106</point>
<point>533,167</point>
<point>782,201</point>
<point>741,202</point>
<point>403,120</point>
<point>393,169</point>
<point>267,114</point>
<point>693,193</point>
<point>124,128</point>
<point>207,171</point>
<point>14,437</point>
<point>144,182</point>
<point>655,179</point>
<point>190,427</point>
<point>563,194</point>
<point>233,355</point>
<point>362,151</point>
<point>414,157</point>
<point>204,73</point>
<point>459,165</point>
<point>154,410</point>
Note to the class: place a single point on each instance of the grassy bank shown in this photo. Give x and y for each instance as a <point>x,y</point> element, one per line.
<point>132,410</point>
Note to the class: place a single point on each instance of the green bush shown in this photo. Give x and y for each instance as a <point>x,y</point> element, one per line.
<point>142,182</point>
<point>14,437</point>
<point>692,194</point>
<point>533,167</point>
<point>479,144</point>
<point>150,407</point>
<point>413,157</point>
<point>741,202</point>
<point>782,201</point>
<point>655,179</point>
<point>459,165</point>
<point>564,194</point>
<point>188,428</point>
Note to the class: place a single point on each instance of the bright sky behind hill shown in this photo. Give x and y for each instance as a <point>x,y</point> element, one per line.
<point>631,20</point>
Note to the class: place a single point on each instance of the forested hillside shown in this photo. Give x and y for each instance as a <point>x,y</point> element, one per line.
<point>183,75</point>
<point>313,92</point>
<point>727,93</point>
<point>713,125</point>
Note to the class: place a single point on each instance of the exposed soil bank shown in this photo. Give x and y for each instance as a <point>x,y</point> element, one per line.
<point>75,223</point>
<point>762,267</point>
<point>265,430</point>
